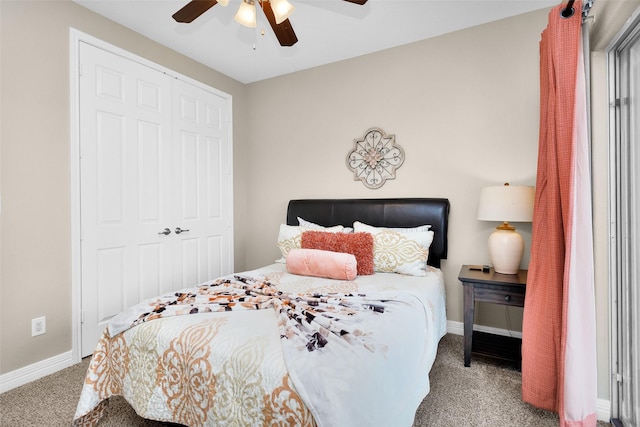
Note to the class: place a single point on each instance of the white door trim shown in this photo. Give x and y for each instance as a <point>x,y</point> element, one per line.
<point>75,38</point>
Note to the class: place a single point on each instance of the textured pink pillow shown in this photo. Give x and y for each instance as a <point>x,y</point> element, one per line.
<point>318,263</point>
<point>358,244</point>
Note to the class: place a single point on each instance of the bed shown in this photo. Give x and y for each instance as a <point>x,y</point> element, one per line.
<point>269,347</point>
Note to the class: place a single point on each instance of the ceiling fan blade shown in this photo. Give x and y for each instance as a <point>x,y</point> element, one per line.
<point>193,9</point>
<point>283,31</point>
<point>357,1</point>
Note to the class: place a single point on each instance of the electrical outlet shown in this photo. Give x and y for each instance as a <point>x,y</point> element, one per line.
<point>38,326</point>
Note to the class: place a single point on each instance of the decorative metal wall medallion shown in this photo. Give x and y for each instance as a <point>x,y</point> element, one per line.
<point>375,158</point>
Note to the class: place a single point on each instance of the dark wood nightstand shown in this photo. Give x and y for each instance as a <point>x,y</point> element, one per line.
<point>505,289</point>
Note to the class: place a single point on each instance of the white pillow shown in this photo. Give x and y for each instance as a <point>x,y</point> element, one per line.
<point>399,250</point>
<point>399,229</point>
<point>310,225</point>
<point>290,237</point>
<point>313,226</point>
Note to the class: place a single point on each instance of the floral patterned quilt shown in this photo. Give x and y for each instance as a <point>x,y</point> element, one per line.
<point>270,348</point>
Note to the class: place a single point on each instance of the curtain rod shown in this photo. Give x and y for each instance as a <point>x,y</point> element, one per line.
<point>568,11</point>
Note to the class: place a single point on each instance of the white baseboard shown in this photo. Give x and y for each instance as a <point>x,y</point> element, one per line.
<point>25,375</point>
<point>603,409</point>
<point>457,328</point>
<point>603,406</point>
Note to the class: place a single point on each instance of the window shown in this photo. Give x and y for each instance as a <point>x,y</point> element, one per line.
<point>624,71</point>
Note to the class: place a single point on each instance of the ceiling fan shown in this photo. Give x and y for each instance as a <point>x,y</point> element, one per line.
<point>280,24</point>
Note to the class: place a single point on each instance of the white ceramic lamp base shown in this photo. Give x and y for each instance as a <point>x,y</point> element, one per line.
<point>506,248</point>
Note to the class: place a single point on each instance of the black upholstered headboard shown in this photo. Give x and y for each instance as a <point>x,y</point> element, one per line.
<point>410,212</point>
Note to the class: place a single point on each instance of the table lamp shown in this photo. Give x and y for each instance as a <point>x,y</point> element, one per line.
<point>506,203</point>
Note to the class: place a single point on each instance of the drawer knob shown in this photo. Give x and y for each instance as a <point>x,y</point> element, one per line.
<point>507,298</point>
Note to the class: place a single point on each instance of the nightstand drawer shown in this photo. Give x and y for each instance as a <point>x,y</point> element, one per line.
<point>499,296</point>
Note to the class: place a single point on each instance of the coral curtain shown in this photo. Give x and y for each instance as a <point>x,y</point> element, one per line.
<point>558,335</point>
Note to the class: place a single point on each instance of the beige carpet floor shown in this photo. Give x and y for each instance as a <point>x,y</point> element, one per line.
<point>485,394</point>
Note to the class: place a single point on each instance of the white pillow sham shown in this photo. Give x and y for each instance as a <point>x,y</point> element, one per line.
<point>313,226</point>
<point>425,227</point>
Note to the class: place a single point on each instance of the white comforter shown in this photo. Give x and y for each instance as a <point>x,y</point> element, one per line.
<point>360,355</point>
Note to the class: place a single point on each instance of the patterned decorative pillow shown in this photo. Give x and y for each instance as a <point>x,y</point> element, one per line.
<point>358,244</point>
<point>402,251</point>
<point>289,237</point>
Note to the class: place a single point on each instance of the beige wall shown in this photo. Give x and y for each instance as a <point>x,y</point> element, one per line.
<point>464,107</point>
<point>35,219</point>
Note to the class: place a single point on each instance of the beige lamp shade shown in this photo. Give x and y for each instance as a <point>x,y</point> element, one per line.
<point>511,203</point>
<point>282,10</point>
<point>246,14</point>
<point>506,203</point>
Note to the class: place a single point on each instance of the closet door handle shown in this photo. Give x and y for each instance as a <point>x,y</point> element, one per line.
<point>166,232</point>
<point>179,230</point>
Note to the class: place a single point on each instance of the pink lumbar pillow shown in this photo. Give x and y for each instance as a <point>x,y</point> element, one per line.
<point>358,244</point>
<point>319,263</point>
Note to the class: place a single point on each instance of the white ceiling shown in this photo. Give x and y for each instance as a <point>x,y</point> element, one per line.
<point>327,30</point>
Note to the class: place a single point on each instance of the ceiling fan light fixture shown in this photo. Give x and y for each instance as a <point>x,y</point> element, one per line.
<point>282,10</point>
<point>223,2</point>
<point>246,14</point>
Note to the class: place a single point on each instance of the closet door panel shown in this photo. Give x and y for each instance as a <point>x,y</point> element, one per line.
<point>125,146</point>
<point>202,184</point>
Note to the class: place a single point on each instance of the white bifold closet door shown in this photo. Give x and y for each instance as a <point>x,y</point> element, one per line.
<point>156,186</point>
